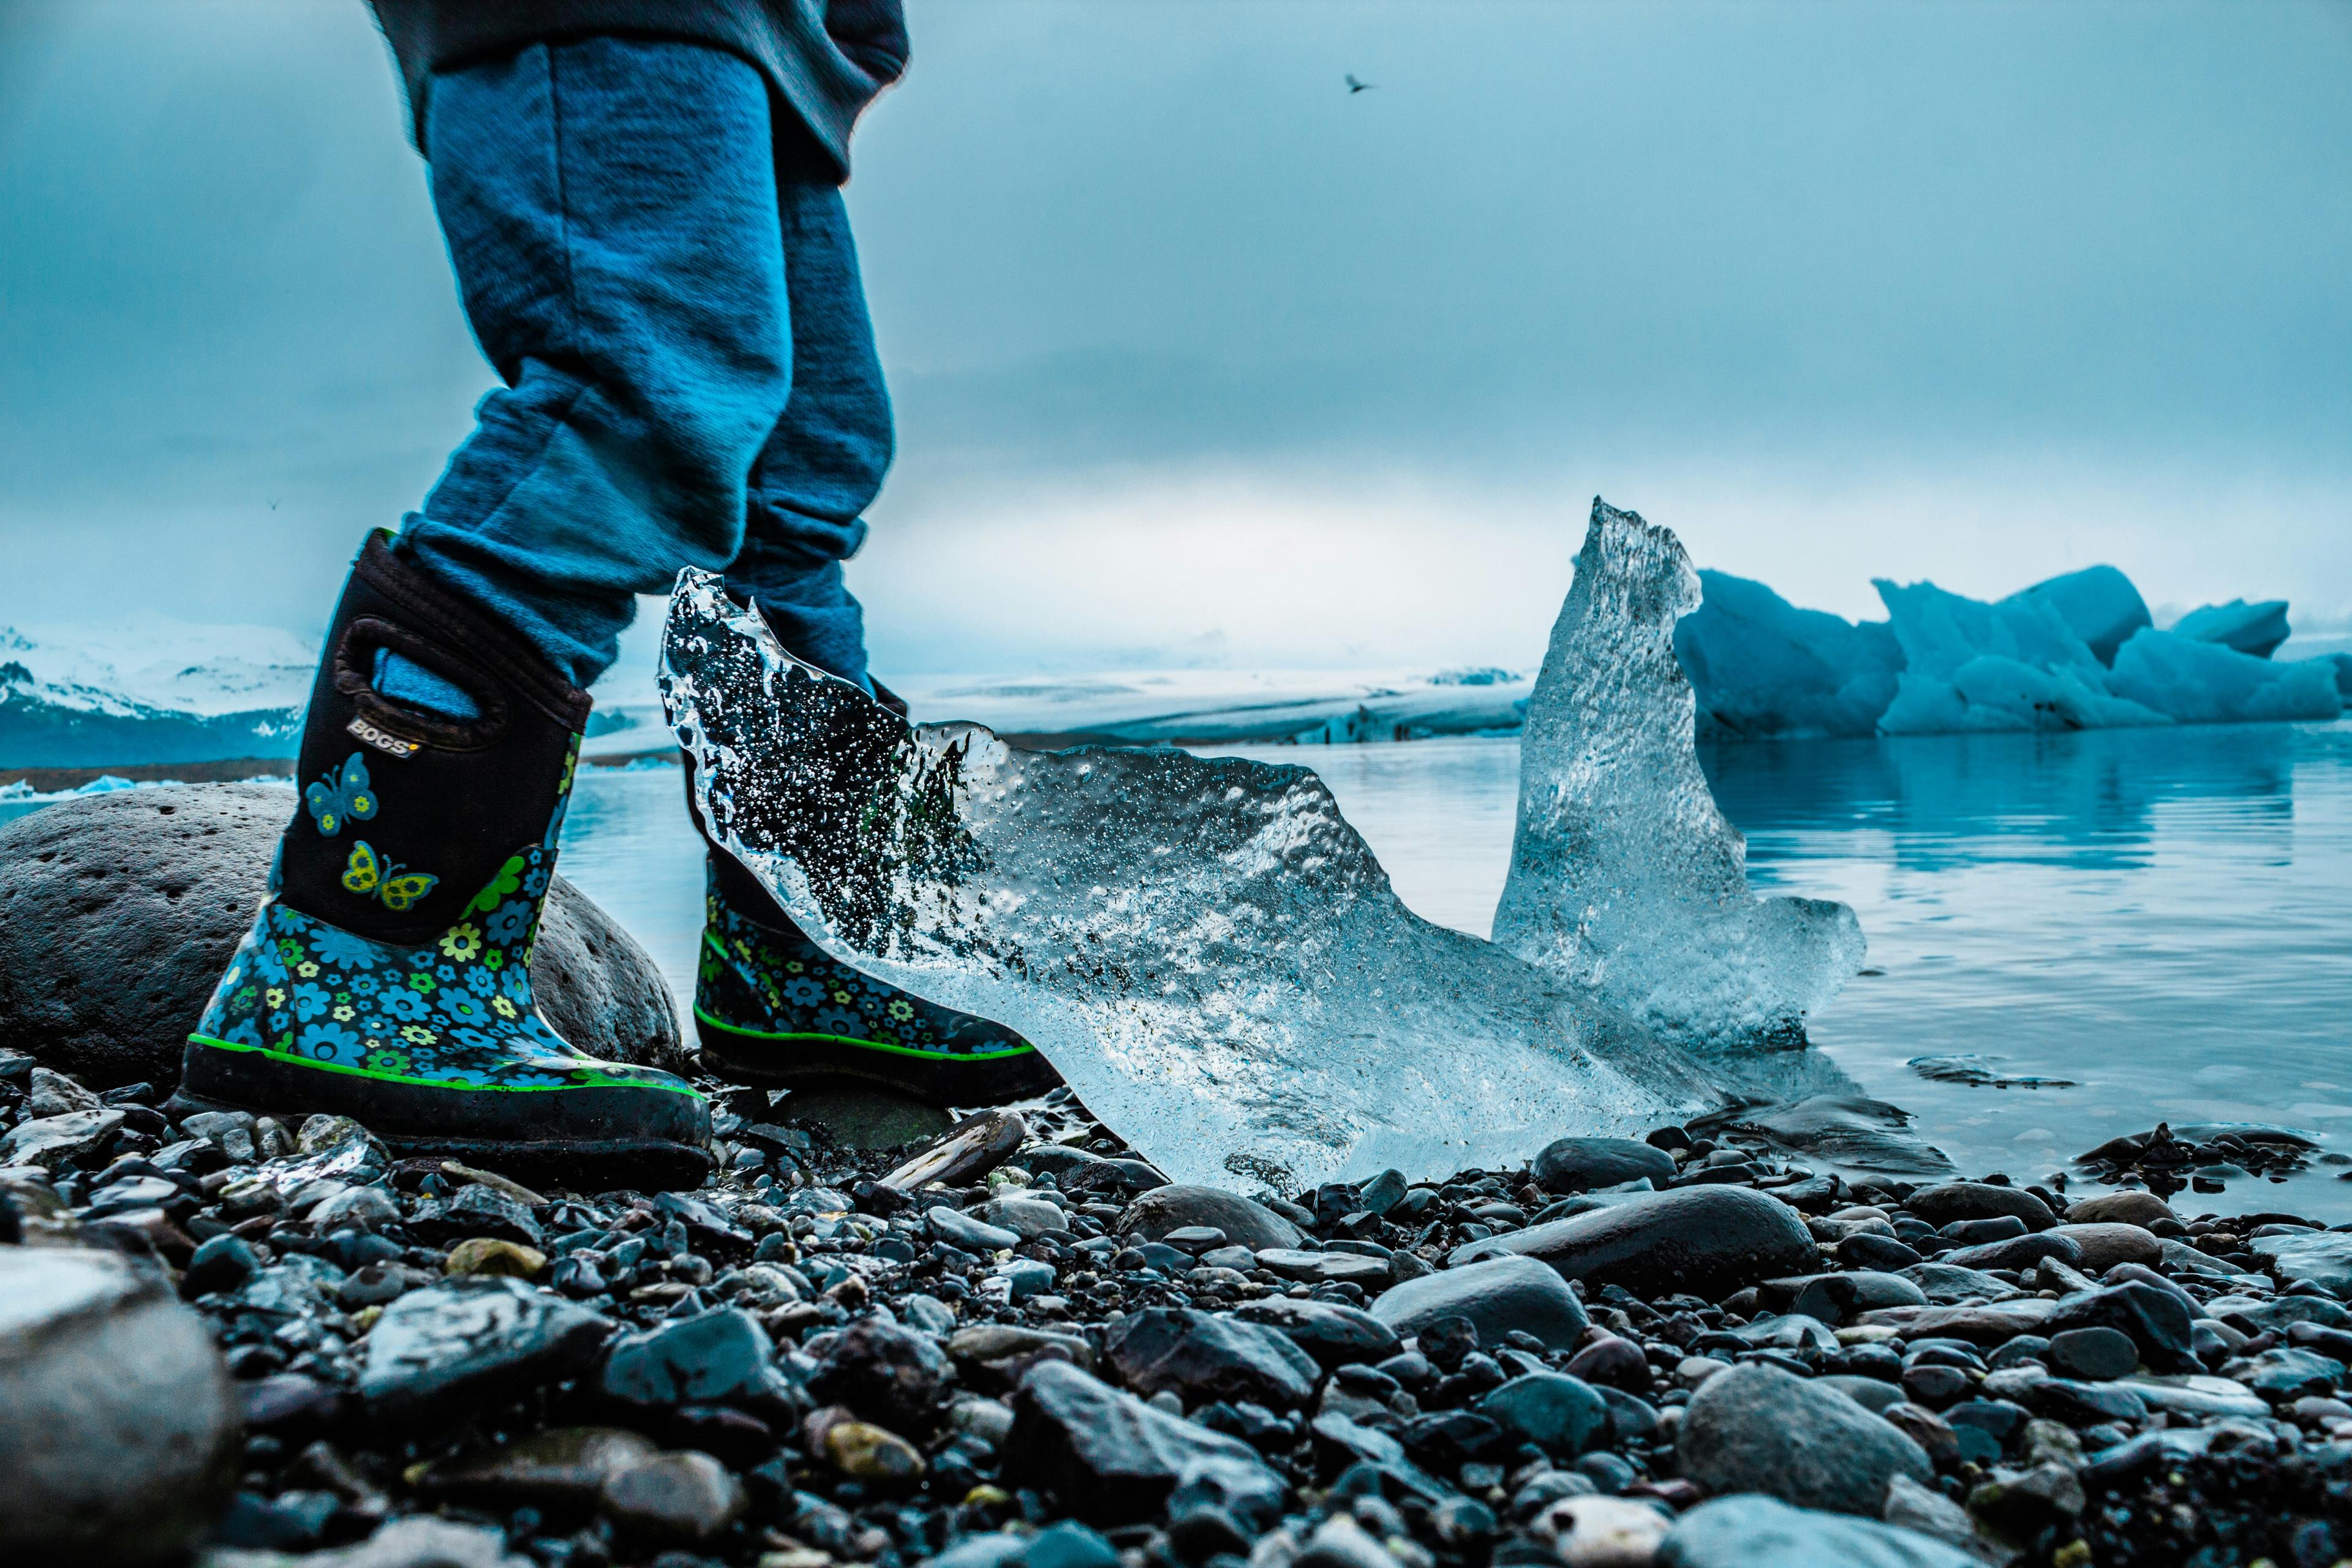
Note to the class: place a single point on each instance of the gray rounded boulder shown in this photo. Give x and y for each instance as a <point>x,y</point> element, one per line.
<point>1756,1429</point>
<point>118,1437</point>
<point>1709,1240</point>
<point>118,913</point>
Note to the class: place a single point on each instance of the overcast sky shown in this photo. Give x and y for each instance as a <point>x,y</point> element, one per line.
<point>1199,357</point>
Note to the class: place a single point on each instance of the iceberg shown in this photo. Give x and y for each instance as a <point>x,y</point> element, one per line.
<point>2257,628</point>
<point>2077,652</point>
<point>1768,667</point>
<point>2098,603</point>
<point>2210,683</point>
<point>1210,955</point>
<point>2017,664</point>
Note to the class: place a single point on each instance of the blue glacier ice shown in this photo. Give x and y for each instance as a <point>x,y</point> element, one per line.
<point>2098,603</point>
<point>2077,652</point>
<point>1765,668</point>
<point>2206,683</point>
<point>2257,628</point>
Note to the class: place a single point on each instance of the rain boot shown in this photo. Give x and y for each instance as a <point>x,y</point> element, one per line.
<point>770,1007</point>
<point>386,976</point>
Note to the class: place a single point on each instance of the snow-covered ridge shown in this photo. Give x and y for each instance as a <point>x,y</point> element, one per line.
<point>156,664</point>
<point>149,690</point>
<point>1194,707</point>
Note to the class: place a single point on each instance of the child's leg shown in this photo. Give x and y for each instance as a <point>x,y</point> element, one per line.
<point>611,212</point>
<point>824,462</point>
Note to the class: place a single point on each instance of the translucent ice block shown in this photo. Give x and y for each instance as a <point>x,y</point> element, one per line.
<point>1204,947</point>
<point>1625,878</point>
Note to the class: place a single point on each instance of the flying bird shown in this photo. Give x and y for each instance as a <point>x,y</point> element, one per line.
<point>1355,87</point>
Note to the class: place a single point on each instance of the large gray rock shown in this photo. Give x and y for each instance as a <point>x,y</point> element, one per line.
<point>118,912</point>
<point>1756,1429</point>
<point>1497,1296</point>
<point>2323,1258</point>
<point>419,1541</point>
<point>1708,1241</point>
<point>1246,1222</point>
<point>433,1351</point>
<point>1757,1532</point>
<point>118,1438</point>
<point>1113,1459</point>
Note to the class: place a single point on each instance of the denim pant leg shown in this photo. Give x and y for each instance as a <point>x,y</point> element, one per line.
<point>610,207</point>
<point>824,462</point>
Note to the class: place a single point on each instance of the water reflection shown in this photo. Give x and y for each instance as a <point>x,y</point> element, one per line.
<point>2087,800</point>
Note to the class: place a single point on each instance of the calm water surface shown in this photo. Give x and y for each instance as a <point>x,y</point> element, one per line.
<point>2161,916</point>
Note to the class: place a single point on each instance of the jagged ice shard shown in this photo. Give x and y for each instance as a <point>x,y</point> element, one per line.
<point>1205,948</point>
<point>1625,878</point>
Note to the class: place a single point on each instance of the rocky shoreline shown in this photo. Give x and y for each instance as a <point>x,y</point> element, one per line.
<point>1020,1343</point>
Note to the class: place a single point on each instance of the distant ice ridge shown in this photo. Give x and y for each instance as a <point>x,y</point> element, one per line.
<point>1190,707</point>
<point>1209,952</point>
<point>149,690</point>
<point>2077,652</point>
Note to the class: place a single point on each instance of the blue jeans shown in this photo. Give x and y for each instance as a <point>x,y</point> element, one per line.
<point>690,371</point>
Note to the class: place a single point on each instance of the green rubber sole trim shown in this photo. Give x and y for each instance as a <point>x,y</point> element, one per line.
<point>739,1029</point>
<point>350,1071</point>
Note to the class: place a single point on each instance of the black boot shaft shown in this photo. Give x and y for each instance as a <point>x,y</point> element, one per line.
<point>397,848</point>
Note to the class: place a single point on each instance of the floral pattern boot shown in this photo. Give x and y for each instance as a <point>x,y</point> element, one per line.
<point>770,1007</point>
<point>387,974</point>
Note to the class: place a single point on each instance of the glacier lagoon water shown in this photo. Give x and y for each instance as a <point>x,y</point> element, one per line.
<point>2160,915</point>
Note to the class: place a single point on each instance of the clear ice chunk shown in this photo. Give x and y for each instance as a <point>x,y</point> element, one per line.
<point>1210,954</point>
<point>1625,880</point>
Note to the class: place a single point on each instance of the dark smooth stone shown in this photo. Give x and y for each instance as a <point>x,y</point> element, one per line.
<point>1112,1459</point>
<point>2019,1252</point>
<point>888,1376</point>
<point>1979,1232</point>
<point>2156,1320</point>
<point>1708,1241</point>
<point>2286,1373</point>
<point>476,1210</point>
<point>682,1497</point>
<point>1997,1416</point>
<point>477,1337</point>
<point>1497,1296</point>
<point>223,1263</point>
<point>1866,1250</point>
<point>1577,1165</point>
<point>1758,1428</point>
<point>1870,1393</point>
<point>1947,1201</point>
<point>2098,1354</point>
<point>1936,1386</point>
<point>1246,1222</point>
<point>1833,1298</point>
<point>1332,1333</point>
<point>1614,1363</point>
<point>1383,1193</point>
<point>1206,1356</point>
<point>1447,1440</point>
<point>1550,1410</point>
<point>717,1358</point>
<point>2083,1404</point>
<point>1632,1418</point>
